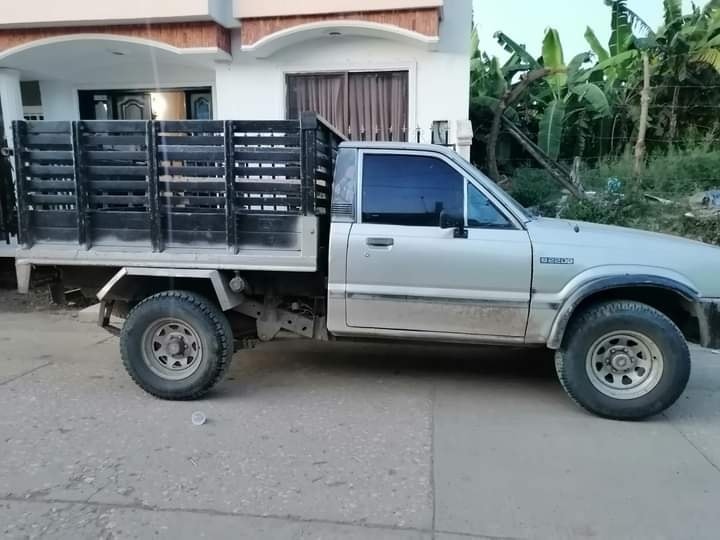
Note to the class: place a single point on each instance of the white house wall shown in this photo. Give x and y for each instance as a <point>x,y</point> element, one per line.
<point>251,87</point>
<point>59,100</point>
<point>255,88</point>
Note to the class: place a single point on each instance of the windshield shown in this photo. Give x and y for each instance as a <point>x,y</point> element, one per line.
<point>499,193</point>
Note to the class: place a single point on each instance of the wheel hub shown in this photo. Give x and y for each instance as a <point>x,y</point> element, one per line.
<point>622,361</point>
<point>624,364</point>
<point>172,349</point>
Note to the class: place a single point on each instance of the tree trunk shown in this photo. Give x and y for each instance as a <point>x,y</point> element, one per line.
<point>640,147</point>
<point>510,97</point>
<point>674,116</point>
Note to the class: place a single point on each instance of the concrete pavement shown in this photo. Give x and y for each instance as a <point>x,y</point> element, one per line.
<point>309,440</point>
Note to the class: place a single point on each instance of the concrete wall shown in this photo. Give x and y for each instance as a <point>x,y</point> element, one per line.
<point>38,13</point>
<point>278,8</point>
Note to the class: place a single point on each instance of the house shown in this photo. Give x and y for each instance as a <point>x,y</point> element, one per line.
<point>377,69</point>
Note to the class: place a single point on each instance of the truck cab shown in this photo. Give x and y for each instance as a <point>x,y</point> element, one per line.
<point>422,249</point>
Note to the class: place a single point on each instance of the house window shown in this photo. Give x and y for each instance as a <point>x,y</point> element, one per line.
<point>364,105</point>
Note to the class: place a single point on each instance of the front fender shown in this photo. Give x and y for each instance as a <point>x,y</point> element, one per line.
<point>587,288</point>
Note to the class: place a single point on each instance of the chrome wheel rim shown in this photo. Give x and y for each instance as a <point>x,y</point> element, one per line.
<point>625,365</point>
<point>172,349</point>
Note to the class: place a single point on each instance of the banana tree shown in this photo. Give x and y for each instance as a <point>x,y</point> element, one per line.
<point>571,94</point>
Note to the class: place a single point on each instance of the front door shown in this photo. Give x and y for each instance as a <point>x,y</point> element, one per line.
<point>405,272</point>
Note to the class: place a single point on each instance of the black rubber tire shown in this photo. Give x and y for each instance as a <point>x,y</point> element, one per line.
<point>600,319</point>
<point>212,327</point>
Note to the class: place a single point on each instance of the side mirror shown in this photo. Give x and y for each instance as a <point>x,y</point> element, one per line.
<point>449,221</point>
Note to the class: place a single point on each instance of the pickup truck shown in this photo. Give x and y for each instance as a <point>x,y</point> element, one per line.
<point>210,236</point>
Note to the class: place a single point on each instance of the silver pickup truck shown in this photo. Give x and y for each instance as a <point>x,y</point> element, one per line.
<point>211,236</point>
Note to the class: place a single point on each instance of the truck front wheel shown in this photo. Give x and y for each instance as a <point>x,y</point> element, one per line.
<point>623,360</point>
<point>176,345</point>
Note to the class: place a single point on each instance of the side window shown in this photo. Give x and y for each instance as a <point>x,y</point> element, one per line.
<point>409,190</point>
<point>481,212</point>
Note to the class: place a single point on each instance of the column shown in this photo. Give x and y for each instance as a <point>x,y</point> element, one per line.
<point>10,100</point>
<point>464,138</point>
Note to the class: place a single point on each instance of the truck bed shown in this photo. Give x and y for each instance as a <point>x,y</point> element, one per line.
<point>244,195</point>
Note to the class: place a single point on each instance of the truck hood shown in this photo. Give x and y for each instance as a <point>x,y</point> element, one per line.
<point>585,246</point>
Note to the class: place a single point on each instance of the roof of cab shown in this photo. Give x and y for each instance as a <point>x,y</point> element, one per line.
<point>397,146</point>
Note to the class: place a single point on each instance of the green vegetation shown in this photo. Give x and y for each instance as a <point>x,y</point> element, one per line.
<point>640,115</point>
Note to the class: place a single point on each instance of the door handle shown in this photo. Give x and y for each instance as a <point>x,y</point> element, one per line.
<point>380,242</point>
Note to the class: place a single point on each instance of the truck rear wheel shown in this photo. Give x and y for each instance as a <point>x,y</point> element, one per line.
<point>623,360</point>
<point>176,345</point>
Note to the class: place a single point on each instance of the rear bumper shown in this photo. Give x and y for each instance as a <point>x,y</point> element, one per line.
<point>708,314</point>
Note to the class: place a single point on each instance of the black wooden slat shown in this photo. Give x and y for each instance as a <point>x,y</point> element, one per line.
<point>115,155</point>
<point>151,143</point>
<point>50,185</point>
<point>51,171</point>
<point>114,126</point>
<point>191,200</point>
<point>230,224</point>
<point>195,221</point>
<point>309,156</point>
<point>47,140</point>
<point>267,187</point>
<point>53,218</point>
<point>192,171</point>
<point>103,235</point>
<point>287,172</point>
<point>114,140</point>
<point>35,198</point>
<point>117,199</point>
<point>55,234</point>
<point>115,185</point>
<point>268,140</point>
<point>266,126</point>
<point>270,240</point>
<point>191,153</point>
<point>184,238</point>
<point>268,223</point>
<point>112,219</point>
<point>37,127</point>
<point>268,155</point>
<point>24,230</point>
<point>81,204</point>
<point>268,201</point>
<point>199,140</point>
<point>208,187</point>
<point>192,126</point>
<point>117,170</point>
<point>48,155</point>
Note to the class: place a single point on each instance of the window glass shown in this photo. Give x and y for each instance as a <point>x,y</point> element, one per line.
<point>481,212</point>
<point>410,190</point>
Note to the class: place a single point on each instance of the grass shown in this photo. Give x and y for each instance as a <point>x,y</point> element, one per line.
<point>620,199</point>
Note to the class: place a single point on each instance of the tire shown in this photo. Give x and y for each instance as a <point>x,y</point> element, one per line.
<point>176,345</point>
<point>623,360</point>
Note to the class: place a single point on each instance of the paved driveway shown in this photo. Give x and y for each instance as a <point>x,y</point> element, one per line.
<point>327,441</point>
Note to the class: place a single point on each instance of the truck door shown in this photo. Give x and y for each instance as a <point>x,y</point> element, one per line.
<point>405,272</point>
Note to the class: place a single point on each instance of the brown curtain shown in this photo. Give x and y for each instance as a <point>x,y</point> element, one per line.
<point>378,106</point>
<point>324,94</point>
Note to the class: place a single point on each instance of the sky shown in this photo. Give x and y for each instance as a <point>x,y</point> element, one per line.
<point>525,21</point>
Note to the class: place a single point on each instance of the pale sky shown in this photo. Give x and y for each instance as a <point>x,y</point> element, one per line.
<point>526,20</point>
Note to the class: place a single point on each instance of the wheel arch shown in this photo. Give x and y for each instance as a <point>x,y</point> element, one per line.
<point>130,278</point>
<point>675,299</point>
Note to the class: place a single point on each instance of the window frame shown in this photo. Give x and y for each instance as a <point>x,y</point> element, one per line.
<point>467,181</point>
